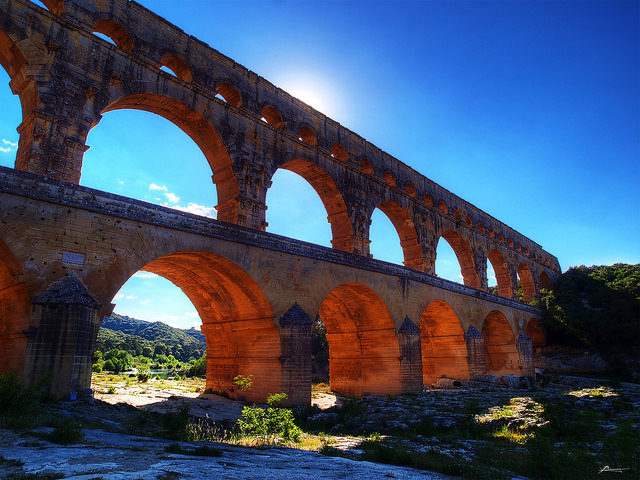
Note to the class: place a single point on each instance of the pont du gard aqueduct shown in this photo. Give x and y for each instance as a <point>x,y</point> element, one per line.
<point>66,250</point>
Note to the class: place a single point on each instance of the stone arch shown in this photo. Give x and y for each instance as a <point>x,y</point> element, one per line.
<point>527,282</point>
<point>501,351</point>
<point>202,133</point>
<point>545,281</point>
<point>465,257</point>
<point>14,62</point>
<point>366,166</point>
<point>115,32</point>
<point>272,116</point>
<point>237,320</point>
<point>536,333</point>
<point>411,190</point>
<point>503,277</point>
<point>364,352</point>
<point>334,203</point>
<point>230,94</point>
<point>338,151</point>
<point>15,310</point>
<point>411,248</point>
<point>443,207</point>
<point>427,199</point>
<point>390,179</point>
<point>54,6</point>
<point>178,66</point>
<point>308,135</point>
<point>444,349</point>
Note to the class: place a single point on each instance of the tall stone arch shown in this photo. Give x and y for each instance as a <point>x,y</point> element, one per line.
<point>198,128</point>
<point>444,349</point>
<point>465,256</point>
<point>501,269</point>
<point>14,313</point>
<point>13,58</point>
<point>501,351</point>
<point>364,352</point>
<point>527,282</point>
<point>407,233</point>
<point>332,199</point>
<point>237,320</point>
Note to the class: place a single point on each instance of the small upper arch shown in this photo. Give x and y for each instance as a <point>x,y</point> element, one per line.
<point>390,179</point>
<point>272,116</point>
<point>54,6</point>
<point>178,66</point>
<point>308,135</point>
<point>115,32</point>
<point>366,166</point>
<point>229,94</point>
<point>338,151</point>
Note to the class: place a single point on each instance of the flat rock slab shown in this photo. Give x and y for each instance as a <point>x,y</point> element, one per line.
<point>112,456</point>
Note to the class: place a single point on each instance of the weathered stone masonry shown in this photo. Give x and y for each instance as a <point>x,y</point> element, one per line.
<point>66,78</point>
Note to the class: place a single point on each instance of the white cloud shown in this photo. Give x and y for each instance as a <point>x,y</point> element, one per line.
<point>153,186</point>
<point>5,150</point>
<point>172,197</point>
<point>191,314</point>
<point>196,209</point>
<point>11,144</point>
<point>145,302</point>
<point>144,275</point>
<point>121,296</point>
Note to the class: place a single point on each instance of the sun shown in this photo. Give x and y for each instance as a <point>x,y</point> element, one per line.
<point>312,89</point>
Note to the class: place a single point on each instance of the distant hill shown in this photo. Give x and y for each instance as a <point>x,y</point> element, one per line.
<point>597,308</point>
<point>133,335</point>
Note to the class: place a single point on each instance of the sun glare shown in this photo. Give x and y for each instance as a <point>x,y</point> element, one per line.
<point>311,90</point>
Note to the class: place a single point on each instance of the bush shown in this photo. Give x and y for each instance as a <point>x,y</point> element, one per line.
<point>65,433</point>
<point>270,424</point>
<point>18,402</point>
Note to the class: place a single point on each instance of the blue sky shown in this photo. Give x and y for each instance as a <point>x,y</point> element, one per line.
<point>530,110</point>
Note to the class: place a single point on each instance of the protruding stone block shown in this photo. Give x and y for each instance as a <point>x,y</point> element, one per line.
<point>476,353</point>
<point>525,352</point>
<point>295,341</point>
<point>65,327</point>
<point>410,356</point>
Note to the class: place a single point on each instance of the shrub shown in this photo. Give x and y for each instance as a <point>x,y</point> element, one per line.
<point>243,383</point>
<point>65,433</point>
<point>18,402</point>
<point>270,424</point>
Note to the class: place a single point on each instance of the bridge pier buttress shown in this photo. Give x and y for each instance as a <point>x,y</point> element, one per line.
<point>476,353</point>
<point>295,340</point>
<point>409,337</point>
<point>525,354</point>
<point>61,340</point>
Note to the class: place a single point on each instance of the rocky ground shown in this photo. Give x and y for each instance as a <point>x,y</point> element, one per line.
<point>116,444</point>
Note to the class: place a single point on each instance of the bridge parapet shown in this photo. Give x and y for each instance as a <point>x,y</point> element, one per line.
<point>98,201</point>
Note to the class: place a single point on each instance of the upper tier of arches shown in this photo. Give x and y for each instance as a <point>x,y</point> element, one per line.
<point>247,129</point>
